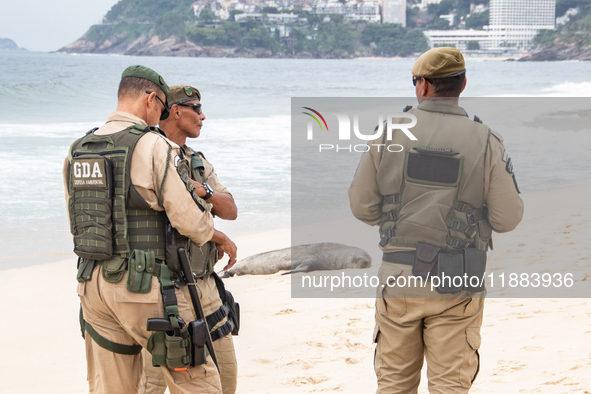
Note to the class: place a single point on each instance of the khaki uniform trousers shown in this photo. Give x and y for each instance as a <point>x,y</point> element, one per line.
<point>444,330</point>
<point>153,381</point>
<point>121,316</point>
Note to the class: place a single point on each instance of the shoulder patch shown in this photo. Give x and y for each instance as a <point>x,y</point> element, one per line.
<point>509,165</point>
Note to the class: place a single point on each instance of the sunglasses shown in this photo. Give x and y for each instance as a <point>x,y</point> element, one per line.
<point>415,79</point>
<point>164,112</point>
<point>196,107</point>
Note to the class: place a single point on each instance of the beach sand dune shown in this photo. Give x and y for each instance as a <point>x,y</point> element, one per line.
<point>300,345</point>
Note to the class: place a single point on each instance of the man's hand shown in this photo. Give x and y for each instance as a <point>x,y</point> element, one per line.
<point>225,245</point>
<point>199,189</point>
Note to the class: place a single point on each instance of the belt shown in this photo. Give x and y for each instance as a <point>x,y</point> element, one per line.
<point>407,258</point>
<point>156,272</point>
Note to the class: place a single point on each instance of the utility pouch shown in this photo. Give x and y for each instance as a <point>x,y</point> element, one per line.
<point>433,166</point>
<point>91,206</point>
<point>234,313</point>
<point>425,260</point>
<point>178,348</point>
<point>172,254</point>
<point>172,351</point>
<point>203,258</point>
<point>484,239</point>
<point>141,267</point>
<point>475,261</point>
<point>114,269</point>
<point>449,267</point>
<point>85,269</point>
<point>157,347</point>
<point>198,330</point>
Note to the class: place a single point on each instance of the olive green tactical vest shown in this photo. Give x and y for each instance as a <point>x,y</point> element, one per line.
<point>107,215</point>
<point>202,258</point>
<point>433,190</point>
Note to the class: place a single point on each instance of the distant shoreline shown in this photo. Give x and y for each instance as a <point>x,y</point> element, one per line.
<point>394,58</point>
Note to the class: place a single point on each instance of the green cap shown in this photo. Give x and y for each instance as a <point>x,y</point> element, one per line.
<point>152,76</point>
<point>439,63</point>
<point>182,93</point>
<point>149,74</point>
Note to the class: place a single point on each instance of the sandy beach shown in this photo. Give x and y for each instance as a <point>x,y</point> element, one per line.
<point>289,345</point>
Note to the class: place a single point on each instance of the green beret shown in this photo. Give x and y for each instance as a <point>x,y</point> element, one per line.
<point>439,63</point>
<point>147,73</point>
<point>182,93</point>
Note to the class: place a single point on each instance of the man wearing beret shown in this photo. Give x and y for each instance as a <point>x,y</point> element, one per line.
<point>124,190</point>
<point>436,203</point>
<point>186,121</point>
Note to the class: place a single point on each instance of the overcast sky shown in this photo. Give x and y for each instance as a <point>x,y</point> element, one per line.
<point>47,25</point>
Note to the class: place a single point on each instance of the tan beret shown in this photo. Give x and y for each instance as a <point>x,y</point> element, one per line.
<point>439,63</point>
<point>182,93</point>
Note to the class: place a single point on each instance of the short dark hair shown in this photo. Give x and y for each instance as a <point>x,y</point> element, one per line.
<point>448,86</point>
<point>135,87</point>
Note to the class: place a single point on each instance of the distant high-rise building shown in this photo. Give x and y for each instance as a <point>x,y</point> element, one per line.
<point>514,23</point>
<point>394,11</point>
<point>539,13</point>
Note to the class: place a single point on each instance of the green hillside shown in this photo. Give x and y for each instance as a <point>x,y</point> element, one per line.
<point>576,31</point>
<point>130,20</point>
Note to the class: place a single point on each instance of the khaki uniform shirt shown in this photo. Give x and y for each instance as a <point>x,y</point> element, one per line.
<point>505,207</point>
<point>148,165</point>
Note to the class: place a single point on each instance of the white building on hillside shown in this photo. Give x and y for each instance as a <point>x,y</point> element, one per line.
<point>394,11</point>
<point>425,3</point>
<point>368,11</point>
<point>459,39</point>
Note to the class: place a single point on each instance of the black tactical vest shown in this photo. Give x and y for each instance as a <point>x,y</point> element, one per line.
<point>107,215</point>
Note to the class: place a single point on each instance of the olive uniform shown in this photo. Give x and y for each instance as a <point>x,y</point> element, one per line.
<point>153,381</point>
<point>117,301</point>
<point>440,198</point>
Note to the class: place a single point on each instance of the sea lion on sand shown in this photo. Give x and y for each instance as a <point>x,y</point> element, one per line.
<point>302,258</point>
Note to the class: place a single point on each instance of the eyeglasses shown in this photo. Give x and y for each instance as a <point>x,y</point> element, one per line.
<point>415,79</point>
<point>196,107</point>
<point>164,112</point>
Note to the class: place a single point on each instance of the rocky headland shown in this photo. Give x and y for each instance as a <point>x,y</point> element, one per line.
<point>561,51</point>
<point>154,46</point>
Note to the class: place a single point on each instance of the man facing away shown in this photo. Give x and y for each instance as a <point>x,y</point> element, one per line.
<point>123,189</point>
<point>436,203</point>
<point>185,121</point>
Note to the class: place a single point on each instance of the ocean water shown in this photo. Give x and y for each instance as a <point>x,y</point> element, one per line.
<point>49,100</point>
